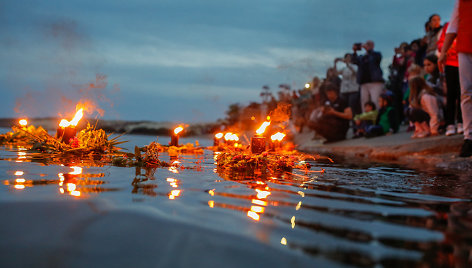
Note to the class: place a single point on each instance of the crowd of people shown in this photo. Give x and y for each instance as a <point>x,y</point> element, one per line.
<point>422,92</point>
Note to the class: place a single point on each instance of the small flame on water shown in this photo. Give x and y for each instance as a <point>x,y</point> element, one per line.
<point>263,127</point>
<point>219,135</point>
<point>78,115</point>
<point>277,136</point>
<point>231,137</point>
<point>23,122</point>
<point>178,129</point>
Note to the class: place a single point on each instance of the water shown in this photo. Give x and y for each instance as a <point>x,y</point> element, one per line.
<point>352,215</point>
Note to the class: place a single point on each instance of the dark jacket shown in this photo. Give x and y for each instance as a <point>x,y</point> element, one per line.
<point>369,67</point>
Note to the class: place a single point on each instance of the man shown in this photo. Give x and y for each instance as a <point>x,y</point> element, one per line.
<point>333,123</point>
<point>369,73</point>
<point>460,27</point>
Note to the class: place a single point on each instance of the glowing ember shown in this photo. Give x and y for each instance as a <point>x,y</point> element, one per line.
<point>219,135</point>
<point>177,130</point>
<point>277,136</point>
<point>263,127</point>
<point>23,122</point>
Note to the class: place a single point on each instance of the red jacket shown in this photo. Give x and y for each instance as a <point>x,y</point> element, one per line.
<point>464,29</point>
<point>451,59</point>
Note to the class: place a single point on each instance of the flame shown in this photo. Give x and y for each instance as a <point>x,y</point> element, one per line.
<point>23,122</point>
<point>219,135</point>
<point>263,127</point>
<point>283,241</point>
<point>259,202</point>
<point>78,115</point>
<point>19,173</point>
<point>177,130</point>
<point>231,137</point>
<point>19,186</point>
<point>64,123</point>
<point>277,136</point>
<point>211,203</point>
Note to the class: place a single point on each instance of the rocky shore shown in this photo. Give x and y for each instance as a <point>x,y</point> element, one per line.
<point>439,152</point>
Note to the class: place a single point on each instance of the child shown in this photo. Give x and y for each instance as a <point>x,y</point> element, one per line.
<point>386,122</point>
<point>424,108</point>
<point>364,120</point>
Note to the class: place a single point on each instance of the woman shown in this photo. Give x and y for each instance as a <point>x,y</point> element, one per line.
<point>453,87</point>
<point>349,87</point>
<point>424,108</point>
<point>433,76</point>
<point>432,35</point>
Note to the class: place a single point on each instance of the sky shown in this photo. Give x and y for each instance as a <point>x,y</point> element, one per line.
<point>183,60</point>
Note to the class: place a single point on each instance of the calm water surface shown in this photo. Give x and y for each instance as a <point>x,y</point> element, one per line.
<point>361,215</point>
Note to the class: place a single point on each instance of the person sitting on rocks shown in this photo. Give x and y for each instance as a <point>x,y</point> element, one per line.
<point>364,120</point>
<point>386,122</point>
<point>332,120</point>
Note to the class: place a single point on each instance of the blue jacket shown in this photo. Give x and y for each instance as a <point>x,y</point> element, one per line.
<point>369,67</point>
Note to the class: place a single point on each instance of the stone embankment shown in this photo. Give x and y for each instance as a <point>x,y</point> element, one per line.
<point>427,153</point>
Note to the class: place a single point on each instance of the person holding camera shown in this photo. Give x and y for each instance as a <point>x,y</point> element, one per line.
<point>332,121</point>
<point>349,87</point>
<point>369,73</point>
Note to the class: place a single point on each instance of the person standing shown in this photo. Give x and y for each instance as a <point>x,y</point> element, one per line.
<point>369,73</point>
<point>453,92</point>
<point>349,87</point>
<point>460,27</point>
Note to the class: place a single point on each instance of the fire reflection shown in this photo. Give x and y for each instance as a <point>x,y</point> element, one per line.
<point>74,183</point>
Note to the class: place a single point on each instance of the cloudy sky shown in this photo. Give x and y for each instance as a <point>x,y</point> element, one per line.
<point>174,60</point>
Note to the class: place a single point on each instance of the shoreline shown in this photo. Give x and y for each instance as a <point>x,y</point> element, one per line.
<point>438,152</point>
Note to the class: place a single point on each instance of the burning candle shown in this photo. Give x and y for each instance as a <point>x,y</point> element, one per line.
<point>231,138</point>
<point>23,122</point>
<point>174,138</point>
<point>276,140</point>
<point>66,129</point>
<point>217,138</point>
<point>258,143</point>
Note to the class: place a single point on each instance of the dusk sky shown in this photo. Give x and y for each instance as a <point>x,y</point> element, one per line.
<point>183,60</point>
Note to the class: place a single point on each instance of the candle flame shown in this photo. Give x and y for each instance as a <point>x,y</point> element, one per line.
<point>277,136</point>
<point>64,123</point>
<point>231,137</point>
<point>23,122</point>
<point>78,115</point>
<point>219,135</point>
<point>177,130</point>
<point>263,127</point>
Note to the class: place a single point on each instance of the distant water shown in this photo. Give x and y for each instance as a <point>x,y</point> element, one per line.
<point>361,215</point>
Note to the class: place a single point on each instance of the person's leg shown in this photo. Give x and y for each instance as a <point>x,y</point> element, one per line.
<point>365,95</point>
<point>465,74</point>
<point>465,71</point>
<point>453,95</point>
<point>375,92</point>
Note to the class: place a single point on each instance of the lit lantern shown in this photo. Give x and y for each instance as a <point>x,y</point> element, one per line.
<point>258,143</point>
<point>66,129</point>
<point>174,138</point>
<point>217,138</point>
<point>276,141</point>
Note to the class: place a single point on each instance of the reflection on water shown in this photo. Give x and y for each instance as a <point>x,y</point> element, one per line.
<point>359,215</point>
